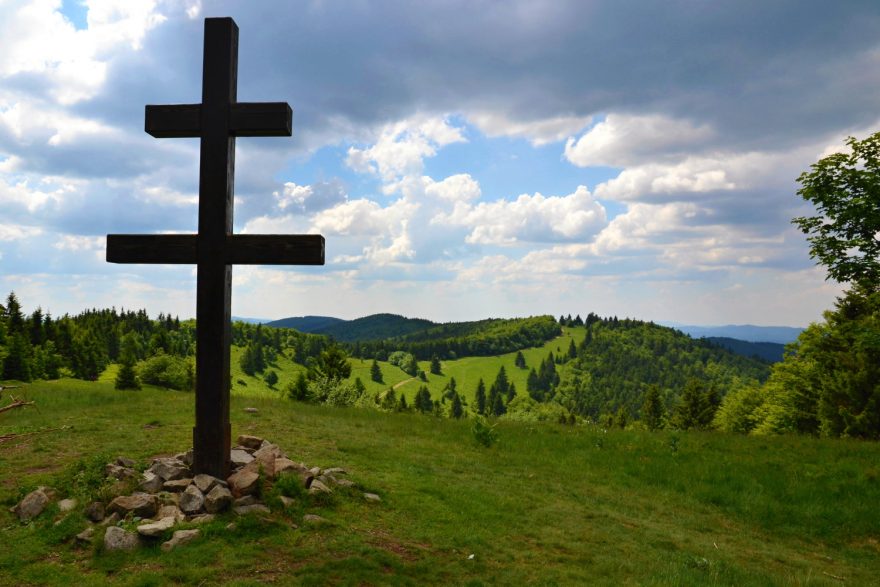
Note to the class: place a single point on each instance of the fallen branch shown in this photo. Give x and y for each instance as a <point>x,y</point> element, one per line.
<point>833,576</point>
<point>16,403</point>
<point>5,437</point>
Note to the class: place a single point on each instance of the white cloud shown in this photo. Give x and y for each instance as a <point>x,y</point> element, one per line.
<point>310,198</point>
<point>622,140</point>
<point>534,218</point>
<point>539,132</point>
<point>77,243</point>
<point>13,232</point>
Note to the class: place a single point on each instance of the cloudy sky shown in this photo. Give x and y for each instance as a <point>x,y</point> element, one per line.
<point>462,158</point>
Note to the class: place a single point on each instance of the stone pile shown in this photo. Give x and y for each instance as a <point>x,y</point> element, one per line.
<point>168,493</point>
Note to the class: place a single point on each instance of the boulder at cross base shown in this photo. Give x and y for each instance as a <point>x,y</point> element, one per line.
<point>33,504</point>
<point>142,505</point>
<point>115,538</point>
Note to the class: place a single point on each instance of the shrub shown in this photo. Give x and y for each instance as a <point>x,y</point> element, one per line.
<point>168,371</point>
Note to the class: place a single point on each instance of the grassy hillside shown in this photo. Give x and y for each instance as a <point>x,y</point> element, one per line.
<point>545,505</point>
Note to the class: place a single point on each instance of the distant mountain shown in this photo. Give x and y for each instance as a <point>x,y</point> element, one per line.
<point>311,324</point>
<point>250,320</point>
<point>769,351</point>
<point>375,327</point>
<point>746,332</point>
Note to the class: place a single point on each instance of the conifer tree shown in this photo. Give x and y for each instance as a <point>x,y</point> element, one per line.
<point>652,408</point>
<point>14,317</point>
<point>498,407</point>
<point>126,378</point>
<point>435,365</point>
<point>480,398</point>
<point>572,350</point>
<point>457,410</point>
<point>17,363</point>
<point>299,389</point>
<point>376,372</point>
<point>520,360</point>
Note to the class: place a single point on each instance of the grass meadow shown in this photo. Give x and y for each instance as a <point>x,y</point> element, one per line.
<point>545,505</point>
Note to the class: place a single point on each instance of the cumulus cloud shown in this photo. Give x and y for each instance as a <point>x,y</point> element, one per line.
<point>310,198</point>
<point>539,132</point>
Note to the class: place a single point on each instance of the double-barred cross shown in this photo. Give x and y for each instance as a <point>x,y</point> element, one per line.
<point>216,121</point>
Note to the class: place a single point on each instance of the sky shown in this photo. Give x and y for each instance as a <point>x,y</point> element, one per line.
<point>463,159</point>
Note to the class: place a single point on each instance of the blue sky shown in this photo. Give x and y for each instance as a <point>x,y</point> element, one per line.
<point>462,159</point>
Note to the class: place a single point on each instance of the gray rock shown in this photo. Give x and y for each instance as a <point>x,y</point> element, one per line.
<point>256,508</point>
<point>115,538</point>
<point>170,468</point>
<point>177,485</point>
<point>181,537</point>
<point>244,483</point>
<point>151,483</point>
<point>218,500</point>
<point>318,487</point>
<point>86,535</point>
<point>372,497</point>
<point>246,500</point>
<point>247,441</point>
<point>315,471</point>
<point>66,505</point>
<point>125,462</point>
<point>120,473</point>
<point>345,483</point>
<point>32,505</point>
<point>202,518</point>
<point>111,519</point>
<point>192,500</point>
<point>140,504</point>
<point>185,457</point>
<point>240,457</point>
<point>328,480</point>
<point>168,498</point>
<point>285,465</point>
<point>287,502</point>
<point>94,511</point>
<point>314,520</point>
<point>335,471</point>
<point>206,483</point>
<point>154,529</point>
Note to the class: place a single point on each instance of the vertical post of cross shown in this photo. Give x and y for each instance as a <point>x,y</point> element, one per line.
<point>212,432</point>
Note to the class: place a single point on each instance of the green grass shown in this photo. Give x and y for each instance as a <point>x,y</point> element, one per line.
<point>547,505</point>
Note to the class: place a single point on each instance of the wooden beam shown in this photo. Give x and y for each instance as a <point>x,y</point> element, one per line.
<point>173,121</point>
<point>238,249</point>
<point>261,119</point>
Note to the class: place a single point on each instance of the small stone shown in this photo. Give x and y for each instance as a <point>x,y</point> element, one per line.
<point>111,519</point>
<point>185,457</point>
<point>256,508</point>
<point>287,502</point>
<point>151,483</point>
<point>139,504</point>
<point>327,480</point>
<point>283,465</point>
<point>247,441</point>
<point>125,462</point>
<point>251,410</point>
<point>66,505</point>
<point>372,497</point>
<point>176,485</point>
<point>202,518</point>
<point>32,505</point>
<point>335,471</point>
<point>115,538</point>
<point>244,483</point>
<point>94,511</point>
<point>206,483</point>
<point>318,487</point>
<point>315,471</point>
<point>246,500</point>
<point>345,483</point>
<point>240,457</point>
<point>314,519</point>
<point>181,537</point>
<point>218,500</point>
<point>192,500</point>
<point>86,535</point>
<point>157,528</point>
<point>168,498</point>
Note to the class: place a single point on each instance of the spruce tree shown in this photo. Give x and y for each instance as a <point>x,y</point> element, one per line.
<point>652,408</point>
<point>520,360</point>
<point>498,407</point>
<point>376,372</point>
<point>17,364</point>
<point>435,365</point>
<point>126,378</point>
<point>457,410</point>
<point>480,398</point>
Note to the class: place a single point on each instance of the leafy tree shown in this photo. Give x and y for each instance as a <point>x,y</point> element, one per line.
<point>168,371</point>
<point>652,408</point>
<point>845,188</point>
<point>435,365</point>
<point>739,411</point>
<point>126,378</point>
<point>376,372</point>
<point>480,398</point>
<point>621,418</point>
<point>520,360</point>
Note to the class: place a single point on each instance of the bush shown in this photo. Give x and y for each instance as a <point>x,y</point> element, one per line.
<point>483,432</point>
<point>168,371</point>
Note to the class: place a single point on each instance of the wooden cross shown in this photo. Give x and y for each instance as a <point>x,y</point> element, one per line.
<point>217,121</point>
